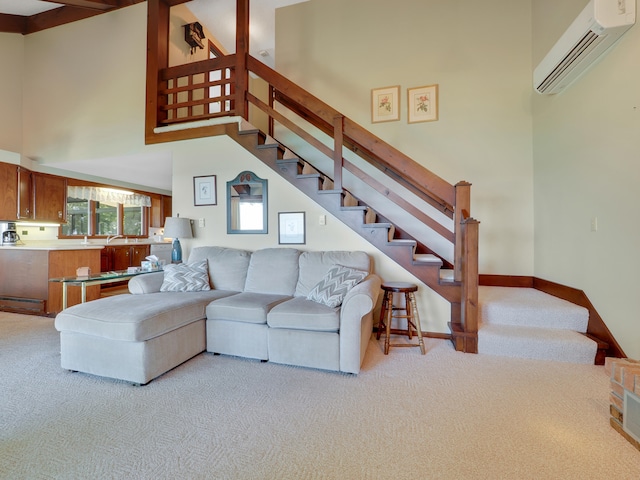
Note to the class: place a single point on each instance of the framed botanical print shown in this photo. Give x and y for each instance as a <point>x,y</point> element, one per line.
<point>385,104</point>
<point>204,190</point>
<point>422,104</point>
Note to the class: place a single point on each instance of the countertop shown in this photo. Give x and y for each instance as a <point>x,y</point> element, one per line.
<point>74,245</point>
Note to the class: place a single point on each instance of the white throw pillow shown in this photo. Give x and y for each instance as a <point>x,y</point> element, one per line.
<point>333,287</point>
<point>182,277</point>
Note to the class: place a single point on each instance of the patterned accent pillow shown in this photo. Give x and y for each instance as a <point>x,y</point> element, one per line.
<point>182,277</point>
<point>334,286</point>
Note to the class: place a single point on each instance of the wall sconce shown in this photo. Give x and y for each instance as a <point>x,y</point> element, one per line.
<point>193,35</point>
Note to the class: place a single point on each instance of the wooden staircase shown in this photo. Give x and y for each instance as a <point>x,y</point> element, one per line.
<point>408,252</point>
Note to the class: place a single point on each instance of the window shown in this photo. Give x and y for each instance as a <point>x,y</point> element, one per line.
<point>91,217</point>
<point>77,217</point>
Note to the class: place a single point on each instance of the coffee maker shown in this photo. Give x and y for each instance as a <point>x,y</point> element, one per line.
<point>9,234</point>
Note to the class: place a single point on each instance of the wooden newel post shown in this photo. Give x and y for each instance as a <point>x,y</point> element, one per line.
<point>461,212</point>
<point>469,314</point>
<point>242,50</point>
<point>338,133</point>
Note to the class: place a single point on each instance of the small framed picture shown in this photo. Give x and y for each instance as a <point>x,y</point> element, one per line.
<point>291,228</point>
<point>423,104</point>
<point>204,190</point>
<point>385,104</point>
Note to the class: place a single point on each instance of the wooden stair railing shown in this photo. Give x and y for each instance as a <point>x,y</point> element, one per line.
<point>183,94</point>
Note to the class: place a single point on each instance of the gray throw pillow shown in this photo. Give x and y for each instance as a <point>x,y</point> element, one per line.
<point>182,277</point>
<point>334,286</point>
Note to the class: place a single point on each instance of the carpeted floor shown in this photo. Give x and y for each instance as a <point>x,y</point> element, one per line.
<point>445,415</point>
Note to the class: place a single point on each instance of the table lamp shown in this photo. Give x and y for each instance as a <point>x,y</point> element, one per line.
<point>176,228</point>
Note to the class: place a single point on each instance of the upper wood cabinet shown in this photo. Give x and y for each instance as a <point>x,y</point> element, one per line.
<point>24,194</point>
<point>49,198</point>
<point>160,209</point>
<point>28,195</point>
<point>8,191</point>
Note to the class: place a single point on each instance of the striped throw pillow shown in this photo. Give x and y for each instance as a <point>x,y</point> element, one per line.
<point>182,277</point>
<point>334,286</point>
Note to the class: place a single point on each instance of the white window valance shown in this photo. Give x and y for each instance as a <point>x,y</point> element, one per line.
<point>109,195</point>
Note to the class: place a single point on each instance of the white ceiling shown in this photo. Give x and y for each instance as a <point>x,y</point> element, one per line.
<point>219,18</point>
<point>26,7</point>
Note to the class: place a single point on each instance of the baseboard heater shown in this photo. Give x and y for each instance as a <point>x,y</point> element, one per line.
<point>631,415</point>
<point>33,306</point>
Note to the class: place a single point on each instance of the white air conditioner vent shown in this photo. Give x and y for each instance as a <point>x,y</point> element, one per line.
<point>594,31</point>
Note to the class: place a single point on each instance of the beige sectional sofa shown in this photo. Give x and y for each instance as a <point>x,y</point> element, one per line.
<point>283,305</point>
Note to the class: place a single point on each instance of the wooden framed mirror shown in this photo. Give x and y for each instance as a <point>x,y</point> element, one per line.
<point>247,204</point>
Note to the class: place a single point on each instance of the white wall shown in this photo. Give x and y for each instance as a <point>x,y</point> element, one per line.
<point>84,87</point>
<point>586,146</point>
<point>12,61</point>
<point>478,54</point>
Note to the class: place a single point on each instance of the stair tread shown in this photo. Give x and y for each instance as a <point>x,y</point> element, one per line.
<point>402,241</point>
<point>529,307</point>
<point>378,225</point>
<point>536,343</point>
<point>421,258</point>
<point>355,207</point>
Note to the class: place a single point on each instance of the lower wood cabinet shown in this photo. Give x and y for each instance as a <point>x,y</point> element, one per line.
<point>25,274</point>
<point>121,257</point>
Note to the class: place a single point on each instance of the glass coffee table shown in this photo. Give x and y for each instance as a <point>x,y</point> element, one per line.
<point>95,279</point>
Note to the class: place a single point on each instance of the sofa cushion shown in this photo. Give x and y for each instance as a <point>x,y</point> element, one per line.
<point>273,270</point>
<point>333,287</point>
<point>227,266</point>
<point>247,307</point>
<point>315,265</point>
<point>302,314</point>
<point>189,277</point>
<point>137,318</point>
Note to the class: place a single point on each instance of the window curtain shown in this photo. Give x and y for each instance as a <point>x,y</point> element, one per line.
<point>108,195</point>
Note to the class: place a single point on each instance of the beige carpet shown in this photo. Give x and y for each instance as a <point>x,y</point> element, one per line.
<point>445,415</point>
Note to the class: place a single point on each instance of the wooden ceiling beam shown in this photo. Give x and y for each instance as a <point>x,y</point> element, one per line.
<point>101,5</point>
<point>12,23</point>
<point>72,11</point>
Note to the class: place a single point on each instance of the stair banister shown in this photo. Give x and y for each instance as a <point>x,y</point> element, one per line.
<point>462,212</point>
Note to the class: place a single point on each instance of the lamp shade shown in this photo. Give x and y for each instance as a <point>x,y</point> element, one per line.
<point>177,227</point>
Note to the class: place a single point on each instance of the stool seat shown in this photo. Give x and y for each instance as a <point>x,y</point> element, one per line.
<point>399,287</point>
<point>411,314</point>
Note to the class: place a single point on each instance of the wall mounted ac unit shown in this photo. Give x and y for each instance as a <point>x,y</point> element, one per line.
<point>598,27</point>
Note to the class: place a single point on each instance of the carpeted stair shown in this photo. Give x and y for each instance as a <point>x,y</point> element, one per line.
<point>527,323</point>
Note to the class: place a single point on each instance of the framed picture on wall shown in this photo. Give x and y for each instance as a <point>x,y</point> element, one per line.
<point>385,104</point>
<point>204,190</point>
<point>291,228</point>
<point>422,104</point>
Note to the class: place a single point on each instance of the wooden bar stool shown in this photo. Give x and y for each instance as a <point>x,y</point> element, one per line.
<point>387,314</point>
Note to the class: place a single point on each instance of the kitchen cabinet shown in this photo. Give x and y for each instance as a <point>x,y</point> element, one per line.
<point>49,200</point>
<point>31,195</point>
<point>8,192</point>
<point>25,274</point>
<point>24,194</point>
<point>160,209</point>
<point>121,257</point>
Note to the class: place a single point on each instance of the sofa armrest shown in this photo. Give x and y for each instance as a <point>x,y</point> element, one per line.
<point>146,283</point>
<point>356,322</point>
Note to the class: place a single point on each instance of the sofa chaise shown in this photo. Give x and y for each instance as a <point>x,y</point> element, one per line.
<point>283,305</point>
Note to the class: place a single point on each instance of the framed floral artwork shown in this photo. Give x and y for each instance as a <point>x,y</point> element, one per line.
<point>423,104</point>
<point>204,190</point>
<point>385,104</point>
<point>291,228</point>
